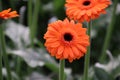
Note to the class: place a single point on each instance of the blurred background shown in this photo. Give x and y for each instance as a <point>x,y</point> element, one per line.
<point>34,63</point>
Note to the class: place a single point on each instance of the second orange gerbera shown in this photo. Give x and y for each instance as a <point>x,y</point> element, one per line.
<point>66,40</point>
<point>5,14</point>
<point>84,10</point>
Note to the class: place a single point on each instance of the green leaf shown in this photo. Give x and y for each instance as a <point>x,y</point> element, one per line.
<point>101,74</point>
<point>52,67</point>
<point>116,71</point>
<point>34,57</point>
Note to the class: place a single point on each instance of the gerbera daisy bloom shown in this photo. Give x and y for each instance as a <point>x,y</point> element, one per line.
<point>66,40</point>
<point>5,14</point>
<point>84,10</point>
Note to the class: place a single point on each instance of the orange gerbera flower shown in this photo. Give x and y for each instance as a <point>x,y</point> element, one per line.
<point>5,14</point>
<point>66,40</point>
<point>84,10</point>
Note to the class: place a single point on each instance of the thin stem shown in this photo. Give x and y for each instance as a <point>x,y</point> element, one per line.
<point>19,61</point>
<point>87,56</point>
<point>61,70</point>
<point>0,5</point>
<point>18,65</point>
<point>30,19</point>
<point>5,57</point>
<point>108,34</point>
<point>35,19</point>
<point>32,22</point>
<point>1,77</point>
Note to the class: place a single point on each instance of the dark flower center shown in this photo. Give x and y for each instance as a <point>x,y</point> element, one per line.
<point>86,3</point>
<point>68,37</point>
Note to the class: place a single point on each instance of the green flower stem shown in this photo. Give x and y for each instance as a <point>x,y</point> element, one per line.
<point>35,18</point>
<point>30,26</point>
<point>87,56</point>
<point>4,54</point>
<point>30,20</point>
<point>1,78</point>
<point>109,33</point>
<point>18,65</point>
<point>61,70</point>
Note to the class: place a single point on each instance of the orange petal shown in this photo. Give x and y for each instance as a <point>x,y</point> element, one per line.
<point>71,54</point>
<point>65,53</point>
<point>60,50</point>
<point>82,48</point>
<point>75,50</point>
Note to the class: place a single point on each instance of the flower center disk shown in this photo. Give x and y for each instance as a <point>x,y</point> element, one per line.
<point>86,3</point>
<point>68,37</point>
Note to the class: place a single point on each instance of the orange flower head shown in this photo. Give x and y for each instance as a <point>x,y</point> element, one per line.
<point>66,40</point>
<point>6,14</point>
<point>84,10</point>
